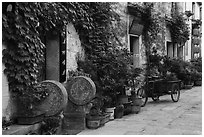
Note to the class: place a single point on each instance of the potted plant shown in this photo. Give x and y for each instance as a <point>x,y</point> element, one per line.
<point>51,125</point>
<point>187,78</point>
<point>93,119</point>
<point>119,111</point>
<point>122,98</point>
<point>136,102</point>
<point>6,122</point>
<point>96,117</point>
<point>109,106</point>
<point>197,75</point>
<point>197,78</point>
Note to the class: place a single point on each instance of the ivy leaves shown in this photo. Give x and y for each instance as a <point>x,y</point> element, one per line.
<point>179,28</point>
<point>24,50</point>
<point>24,27</point>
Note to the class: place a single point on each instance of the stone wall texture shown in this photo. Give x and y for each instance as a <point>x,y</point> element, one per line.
<point>74,49</point>
<point>7,105</point>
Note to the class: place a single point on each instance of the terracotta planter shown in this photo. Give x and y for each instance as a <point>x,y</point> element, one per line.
<point>136,101</point>
<point>136,109</point>
<point>119,111</point>
<point>122,99</point>
<point>188,86</point>
<point>93,123</point>
<point>105,119</point>
<point>119,114</point>
<point>30,119</point>
<point>127,108</point>
<point>111,112</point>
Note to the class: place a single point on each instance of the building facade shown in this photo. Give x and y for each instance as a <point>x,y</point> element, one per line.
<point>63,51</point>
<point>193,11</point>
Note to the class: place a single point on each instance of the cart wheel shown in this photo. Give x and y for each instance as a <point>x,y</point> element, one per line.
<point>141,93</point>
<point>175,93</point>
<point>156,98</point>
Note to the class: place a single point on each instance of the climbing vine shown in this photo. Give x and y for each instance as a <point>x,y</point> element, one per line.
<point>23,29</point>
<point>179,28</point>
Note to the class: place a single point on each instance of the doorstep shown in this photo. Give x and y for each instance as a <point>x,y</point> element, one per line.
<point>21,129</point>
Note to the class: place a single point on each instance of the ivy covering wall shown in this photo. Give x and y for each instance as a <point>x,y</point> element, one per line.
<point>27,23</point>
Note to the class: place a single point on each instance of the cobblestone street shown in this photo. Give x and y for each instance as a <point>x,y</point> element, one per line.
<point>160,118</point>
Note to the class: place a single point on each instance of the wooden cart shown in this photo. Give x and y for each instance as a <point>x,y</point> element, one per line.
<point>159,87</point>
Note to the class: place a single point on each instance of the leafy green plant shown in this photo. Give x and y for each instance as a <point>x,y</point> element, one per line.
<point>28,100</point>
<point>197,64</point>
<point>50,125</point>
<point>25,27</point>
<point>111,73</point>
<point>6,123</point>
<point>179,28</point>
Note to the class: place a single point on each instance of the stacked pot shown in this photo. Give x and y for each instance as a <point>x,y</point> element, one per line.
<point>136,104</point>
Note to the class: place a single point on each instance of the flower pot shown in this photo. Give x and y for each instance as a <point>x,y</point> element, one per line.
<point>198,83</point>
<point>123,99</point>
<point>136,101</point>
<point>104,119</point>
<point>93,123</point>
<point>136,109</point>
<point>30,119</point>
<point>119,114</point>
<point>111,112</point>
<point>119,111</point>
<point>127,108</point>
<point>188,86</point>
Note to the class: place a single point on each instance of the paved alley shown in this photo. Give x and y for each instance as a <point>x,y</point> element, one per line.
<point>160,118</point>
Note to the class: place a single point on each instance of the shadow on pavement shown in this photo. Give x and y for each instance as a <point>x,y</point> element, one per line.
<point>161,101</point>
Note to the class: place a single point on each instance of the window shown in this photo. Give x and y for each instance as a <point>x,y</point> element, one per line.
<point>170,49</point>
<point>193,9</point>
<point>134,48</point>
<point>197,46</point>
<point>196,55</point>
<point>201,13</point>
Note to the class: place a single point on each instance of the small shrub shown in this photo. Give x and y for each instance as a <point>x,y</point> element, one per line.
<point>50,125</point>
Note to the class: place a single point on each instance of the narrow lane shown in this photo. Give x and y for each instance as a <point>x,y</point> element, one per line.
<point>160,118</point>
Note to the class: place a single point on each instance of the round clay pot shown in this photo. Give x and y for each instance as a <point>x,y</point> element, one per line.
<point>136,109</point>
<point>188,86</point>
<point>123,99</point>
<point>93,123</point>
<point>119,111</point>
<point>137,101</point>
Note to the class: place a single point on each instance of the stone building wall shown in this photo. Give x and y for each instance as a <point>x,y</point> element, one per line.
<point>7,106</point>
<point>163,9</point>
<point>74,49</point>
<point>120,28</point>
